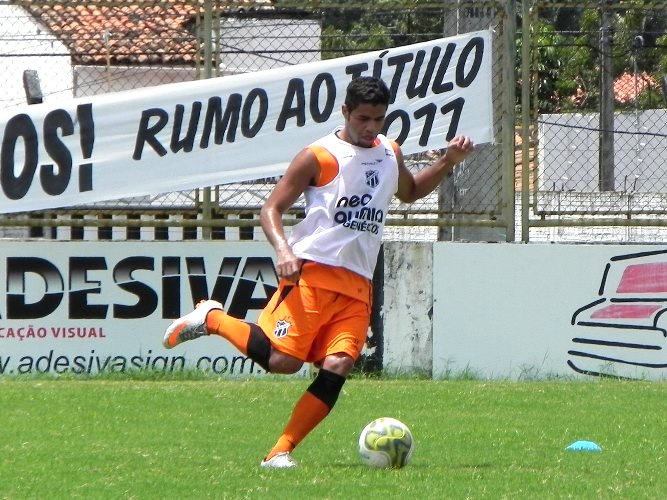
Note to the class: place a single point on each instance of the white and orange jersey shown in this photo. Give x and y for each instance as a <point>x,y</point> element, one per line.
<point>346,210</point>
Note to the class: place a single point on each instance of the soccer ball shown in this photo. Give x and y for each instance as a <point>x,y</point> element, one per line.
<point>386,443</point>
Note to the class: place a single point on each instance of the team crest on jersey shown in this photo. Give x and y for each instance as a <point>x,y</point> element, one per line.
<point>281,329</point>
<point>372,178</point>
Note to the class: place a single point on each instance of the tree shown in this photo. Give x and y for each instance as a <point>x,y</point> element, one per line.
<point>566,45</point>
<point>349,28</point>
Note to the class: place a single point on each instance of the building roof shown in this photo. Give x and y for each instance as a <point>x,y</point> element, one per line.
<point>627,87</point>
<point>103,32</point>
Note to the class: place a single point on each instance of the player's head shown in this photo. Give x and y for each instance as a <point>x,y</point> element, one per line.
<point>366,90</point>
<point>366,103</point>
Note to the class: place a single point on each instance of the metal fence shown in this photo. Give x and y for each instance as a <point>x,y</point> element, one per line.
<point>62,49</point>
<point>593,121</point>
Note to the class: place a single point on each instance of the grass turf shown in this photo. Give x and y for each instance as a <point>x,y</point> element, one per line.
<point>140,439</point>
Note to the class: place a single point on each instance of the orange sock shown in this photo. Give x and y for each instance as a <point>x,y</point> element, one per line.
<point>307,414</point>
<point>218,322</point>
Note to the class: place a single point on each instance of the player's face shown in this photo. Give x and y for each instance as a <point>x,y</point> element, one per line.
<point>363,124</point>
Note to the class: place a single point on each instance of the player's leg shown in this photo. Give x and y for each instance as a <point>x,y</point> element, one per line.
<point>251,340</point>
<point>338,346</point>
<point>191,326</point>
<point>313,407</point>
<point>209,318</point>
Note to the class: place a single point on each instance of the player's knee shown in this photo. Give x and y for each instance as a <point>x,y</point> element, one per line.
<point>338,363</point>
<point>283,363</point>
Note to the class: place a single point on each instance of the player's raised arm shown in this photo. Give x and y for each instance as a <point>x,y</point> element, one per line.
<point>413,187</point>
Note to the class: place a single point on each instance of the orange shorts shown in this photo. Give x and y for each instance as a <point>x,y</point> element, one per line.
<point>311,323</point>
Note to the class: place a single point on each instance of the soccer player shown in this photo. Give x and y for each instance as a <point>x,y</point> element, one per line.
<point>321,311</point>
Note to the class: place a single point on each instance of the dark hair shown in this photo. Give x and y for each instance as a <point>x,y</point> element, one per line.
<point>366,90</point>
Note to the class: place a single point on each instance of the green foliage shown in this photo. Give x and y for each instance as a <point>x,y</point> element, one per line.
<point>349,29</point>
<point>548,66</point>
<point>566,42</point>
<point>567,48</point>
<point>662,60</point>
<point>652,98</point>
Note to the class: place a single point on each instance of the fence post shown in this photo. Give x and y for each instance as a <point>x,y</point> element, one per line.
<point>507,125</point>
<point>207,31</point>
<point>606,166</point>
<point>525,120</point>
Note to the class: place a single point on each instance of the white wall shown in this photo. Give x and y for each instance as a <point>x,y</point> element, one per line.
<point>95,80</point>
<point>28,46</point>
<point>520,311</point>
<point>246,45</point>
<point>569,149</point>
<point>249,45</point>
<point>408,307</point>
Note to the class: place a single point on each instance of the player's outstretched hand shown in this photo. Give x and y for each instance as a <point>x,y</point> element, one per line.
<point>459,148</point>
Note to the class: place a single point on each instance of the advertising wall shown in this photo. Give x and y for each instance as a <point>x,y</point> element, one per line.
<point>491,310</point>
<point>88,307</point>
<point>525,311</point>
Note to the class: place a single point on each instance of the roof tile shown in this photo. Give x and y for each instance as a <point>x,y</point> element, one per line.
<point>100,32</point>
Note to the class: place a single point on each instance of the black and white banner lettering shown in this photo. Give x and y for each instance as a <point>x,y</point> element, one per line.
<point>193,134</point>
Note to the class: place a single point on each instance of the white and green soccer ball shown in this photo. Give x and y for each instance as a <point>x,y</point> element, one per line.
<point>386,443</point>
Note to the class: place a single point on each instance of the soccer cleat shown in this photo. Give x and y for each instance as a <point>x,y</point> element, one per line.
<point>191,326</point>
<point>282,460</point>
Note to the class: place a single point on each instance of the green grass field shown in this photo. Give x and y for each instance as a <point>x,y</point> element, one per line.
<point>121,439</point>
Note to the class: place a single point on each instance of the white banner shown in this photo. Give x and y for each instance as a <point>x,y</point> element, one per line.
<point>193,134</point>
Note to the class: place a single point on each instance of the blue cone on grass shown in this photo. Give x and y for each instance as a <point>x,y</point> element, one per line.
<point>584,446</point>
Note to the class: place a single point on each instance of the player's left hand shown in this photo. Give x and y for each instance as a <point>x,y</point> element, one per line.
<point>459,148</point>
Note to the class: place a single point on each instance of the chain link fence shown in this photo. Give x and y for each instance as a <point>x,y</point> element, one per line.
<point>590,141</point>
<point>594,121</point>
<point>66,49</point>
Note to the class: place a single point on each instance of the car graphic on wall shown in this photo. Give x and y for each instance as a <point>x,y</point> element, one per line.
<point>623,333</point>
